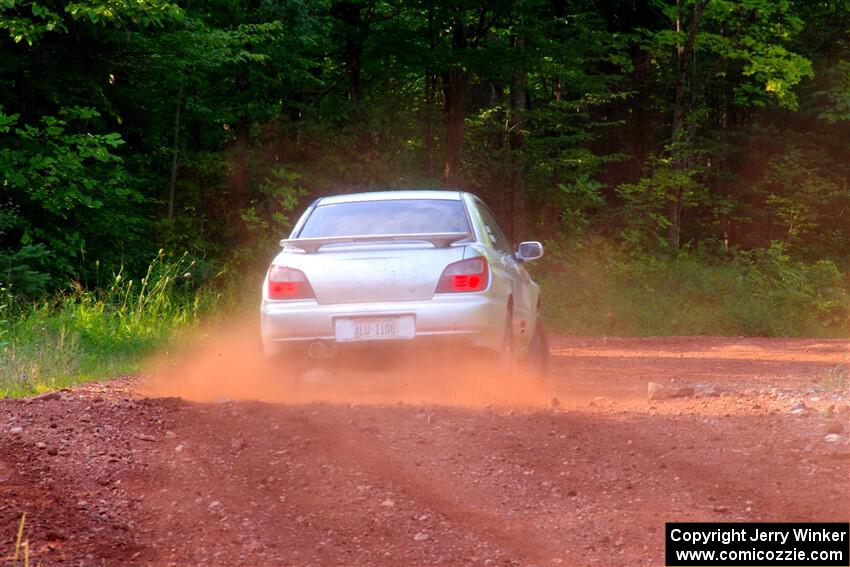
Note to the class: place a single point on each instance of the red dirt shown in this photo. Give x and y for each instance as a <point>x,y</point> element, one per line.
<point>431,474</point>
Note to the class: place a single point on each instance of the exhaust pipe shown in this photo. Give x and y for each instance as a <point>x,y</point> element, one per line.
<point>321,350</point>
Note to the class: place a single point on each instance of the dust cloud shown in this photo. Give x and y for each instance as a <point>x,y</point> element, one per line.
<point>229,365</point>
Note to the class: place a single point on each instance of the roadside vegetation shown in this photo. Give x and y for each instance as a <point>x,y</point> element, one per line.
<point>685,161</point>
<point>87,334</point>
<point>600,289</point>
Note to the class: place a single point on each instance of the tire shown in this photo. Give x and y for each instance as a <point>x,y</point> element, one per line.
<point>536,362</point>
<point>507,359</point>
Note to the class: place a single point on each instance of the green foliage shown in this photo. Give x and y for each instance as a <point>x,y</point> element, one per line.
<point>746,40</point>
<point>838,94</point>
<point>20,270</point>
<point>802,199</point>
<point>29,21</point>
<point>581,196</point>
<point>761,293</point>
<point>83,334</point>
<point>267,217</point>
<point>125,13</point>
<point>69,190</point>
<point>645,203</point>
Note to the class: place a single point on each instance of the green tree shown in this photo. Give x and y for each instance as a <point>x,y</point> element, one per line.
<point>736,53</point>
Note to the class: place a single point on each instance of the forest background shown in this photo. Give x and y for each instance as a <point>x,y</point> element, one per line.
<point>685,161</point>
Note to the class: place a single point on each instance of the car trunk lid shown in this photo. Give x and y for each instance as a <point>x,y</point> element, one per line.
<point>375,272</point>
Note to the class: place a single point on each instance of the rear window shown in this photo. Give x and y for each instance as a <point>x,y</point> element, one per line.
<point>403,216</point>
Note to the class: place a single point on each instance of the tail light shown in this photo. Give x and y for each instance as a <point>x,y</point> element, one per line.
<point>467,275</point>
<point>289,283</point>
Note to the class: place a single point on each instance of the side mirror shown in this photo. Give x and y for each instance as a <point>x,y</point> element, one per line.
<point>529,251</point>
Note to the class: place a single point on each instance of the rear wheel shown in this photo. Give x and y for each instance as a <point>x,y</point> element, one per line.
<point>536,362</point>
<point>507,360</point>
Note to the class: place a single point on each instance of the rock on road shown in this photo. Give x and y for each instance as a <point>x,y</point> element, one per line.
<point>108,476</point>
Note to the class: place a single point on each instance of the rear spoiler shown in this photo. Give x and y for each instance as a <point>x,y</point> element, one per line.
<point>438,239</point>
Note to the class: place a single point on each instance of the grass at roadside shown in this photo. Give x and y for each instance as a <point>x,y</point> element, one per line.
<point>86,334</point>
<point>601,290</point>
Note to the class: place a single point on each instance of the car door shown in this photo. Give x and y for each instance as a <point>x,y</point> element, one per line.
<point>524,290</point>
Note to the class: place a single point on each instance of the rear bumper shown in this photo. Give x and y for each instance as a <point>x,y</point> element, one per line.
<point>472,319</point>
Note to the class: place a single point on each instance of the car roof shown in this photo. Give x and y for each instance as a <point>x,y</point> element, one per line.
<point>424,194</point>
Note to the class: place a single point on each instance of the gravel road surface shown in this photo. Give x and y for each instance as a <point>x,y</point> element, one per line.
<point>120,473</point>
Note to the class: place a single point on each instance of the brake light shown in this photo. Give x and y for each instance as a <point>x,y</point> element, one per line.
<point>289,283</point>
<point>472,274</point>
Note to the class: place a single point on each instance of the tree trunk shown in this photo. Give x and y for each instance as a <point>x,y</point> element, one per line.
<point>239,176</point>
<point>240,166</point>
<point>176,152</point>
<point>683,128</point>
<point>518,102</point>
<point>354,89</point>
<point>455,85</point>
<point>429,123</point>
<point>354,32</point>
<point>202,204</point>
<point>353,53</point>
<point>674,205</point>
<point>430,90</point>
<point>640,102</point>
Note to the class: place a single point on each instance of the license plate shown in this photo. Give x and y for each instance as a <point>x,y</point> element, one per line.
<point>375,328</point>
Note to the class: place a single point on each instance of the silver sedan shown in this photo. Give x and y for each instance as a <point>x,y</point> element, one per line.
<point>402,267</point>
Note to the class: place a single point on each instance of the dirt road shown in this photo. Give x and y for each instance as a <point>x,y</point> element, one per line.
<point>108,476</point>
